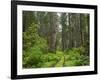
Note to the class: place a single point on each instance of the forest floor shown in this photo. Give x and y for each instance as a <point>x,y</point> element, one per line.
<point>73,57</point>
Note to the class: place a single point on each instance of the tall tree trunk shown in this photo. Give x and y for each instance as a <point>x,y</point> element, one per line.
<point>52,32</point>
<point>78,34</point>
<point>63,18</point>
<point>71,29</point>
<point>28,18</point>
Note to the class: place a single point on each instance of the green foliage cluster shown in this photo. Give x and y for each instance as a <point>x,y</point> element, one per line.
<point>76,57</point>
<point>33,46</point>
<point>37,59</point>
<point>31,38</point>
<point>32,58</point>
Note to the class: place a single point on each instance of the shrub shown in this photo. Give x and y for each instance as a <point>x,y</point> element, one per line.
<point>76,57</point>
<point>33,58</point>
<point>49,64</point>
<point>33,46</point>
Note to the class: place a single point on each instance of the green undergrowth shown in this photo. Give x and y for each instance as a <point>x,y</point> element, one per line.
<point>35,58</point>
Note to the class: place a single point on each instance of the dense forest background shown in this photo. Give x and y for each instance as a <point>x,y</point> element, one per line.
<point>53,39</point>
